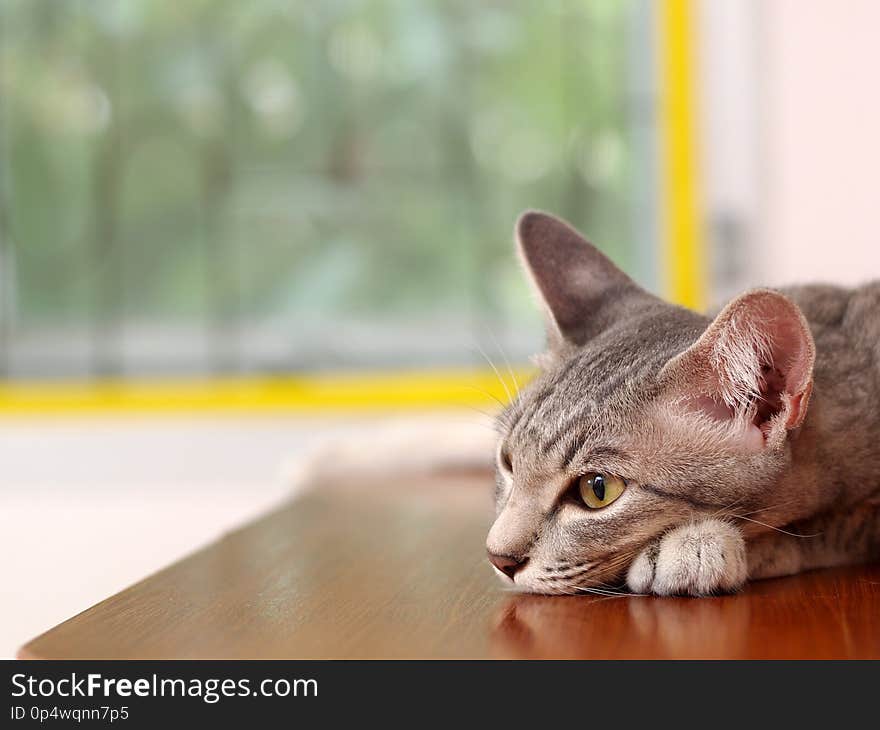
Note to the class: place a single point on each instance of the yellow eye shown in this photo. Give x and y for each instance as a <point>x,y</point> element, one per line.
<point>600,490</point>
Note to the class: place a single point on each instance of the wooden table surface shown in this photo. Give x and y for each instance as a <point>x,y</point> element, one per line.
<point>399,570</point>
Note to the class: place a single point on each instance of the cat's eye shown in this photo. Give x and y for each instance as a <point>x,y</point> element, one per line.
<point>600,490</point>
<point>506,461</point>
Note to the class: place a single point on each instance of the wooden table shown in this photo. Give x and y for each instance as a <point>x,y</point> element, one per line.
<point>399,570</point>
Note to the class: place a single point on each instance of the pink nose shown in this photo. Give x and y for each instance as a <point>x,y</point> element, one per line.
<point>507,564</point>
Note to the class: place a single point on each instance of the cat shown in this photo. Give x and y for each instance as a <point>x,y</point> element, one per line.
<point>668,452</point>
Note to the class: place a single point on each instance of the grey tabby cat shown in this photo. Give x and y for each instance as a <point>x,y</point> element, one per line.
<point>682,454</point>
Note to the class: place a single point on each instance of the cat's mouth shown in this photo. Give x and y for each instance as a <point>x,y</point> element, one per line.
<point>602,575</point>
<point>576,579</point>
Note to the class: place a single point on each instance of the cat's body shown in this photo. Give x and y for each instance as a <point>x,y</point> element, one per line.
<point>834,479</point>
<point>682,454</point>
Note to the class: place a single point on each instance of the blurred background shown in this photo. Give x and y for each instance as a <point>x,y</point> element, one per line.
<point>226,187</point>
<point>229,230</point>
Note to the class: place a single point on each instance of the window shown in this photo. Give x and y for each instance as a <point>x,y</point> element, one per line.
<point>218,186</point>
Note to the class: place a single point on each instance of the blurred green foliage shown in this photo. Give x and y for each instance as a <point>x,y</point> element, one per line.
<point>227,163</point>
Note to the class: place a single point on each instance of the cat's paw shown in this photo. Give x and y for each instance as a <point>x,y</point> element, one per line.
<point>697,559</point>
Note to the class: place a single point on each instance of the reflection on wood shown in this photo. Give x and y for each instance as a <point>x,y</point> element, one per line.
<point>398,570</point>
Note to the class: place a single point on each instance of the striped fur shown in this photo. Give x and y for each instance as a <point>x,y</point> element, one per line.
<point>749,443</point>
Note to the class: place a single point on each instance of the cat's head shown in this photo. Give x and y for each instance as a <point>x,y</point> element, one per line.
<point>644,415</point>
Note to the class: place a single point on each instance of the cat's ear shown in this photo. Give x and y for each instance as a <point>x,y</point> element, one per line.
<point>754,364</point>
<point>583,291</point>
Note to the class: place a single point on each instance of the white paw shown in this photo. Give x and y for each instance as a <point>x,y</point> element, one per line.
<point>696,559</point>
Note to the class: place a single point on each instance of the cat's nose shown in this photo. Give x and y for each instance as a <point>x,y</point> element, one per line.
<point>507,564</point>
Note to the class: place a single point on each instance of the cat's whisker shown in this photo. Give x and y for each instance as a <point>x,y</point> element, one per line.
<point>721,511</point>
<point>497,373</point>
<point>622,559</point>
<point>600,588</point>
<point>608,586</point>
<point>628,594</point>
<point>487,414</point>
<point>599,592</point>
<point>573,589</point>
<point>487,393</point>
<point>724,512</point>
<point>765,509</point>
<point>777,529</point>
<point>606,598</point>
<point>505,358</point>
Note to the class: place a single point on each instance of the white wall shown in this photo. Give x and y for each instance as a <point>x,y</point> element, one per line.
<point>790,93</point>
<point>822,140</point>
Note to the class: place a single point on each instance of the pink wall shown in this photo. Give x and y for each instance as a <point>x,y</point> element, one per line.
<point>819,161</point>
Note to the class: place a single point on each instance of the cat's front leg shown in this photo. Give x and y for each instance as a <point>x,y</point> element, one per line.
<point>697,559</point>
